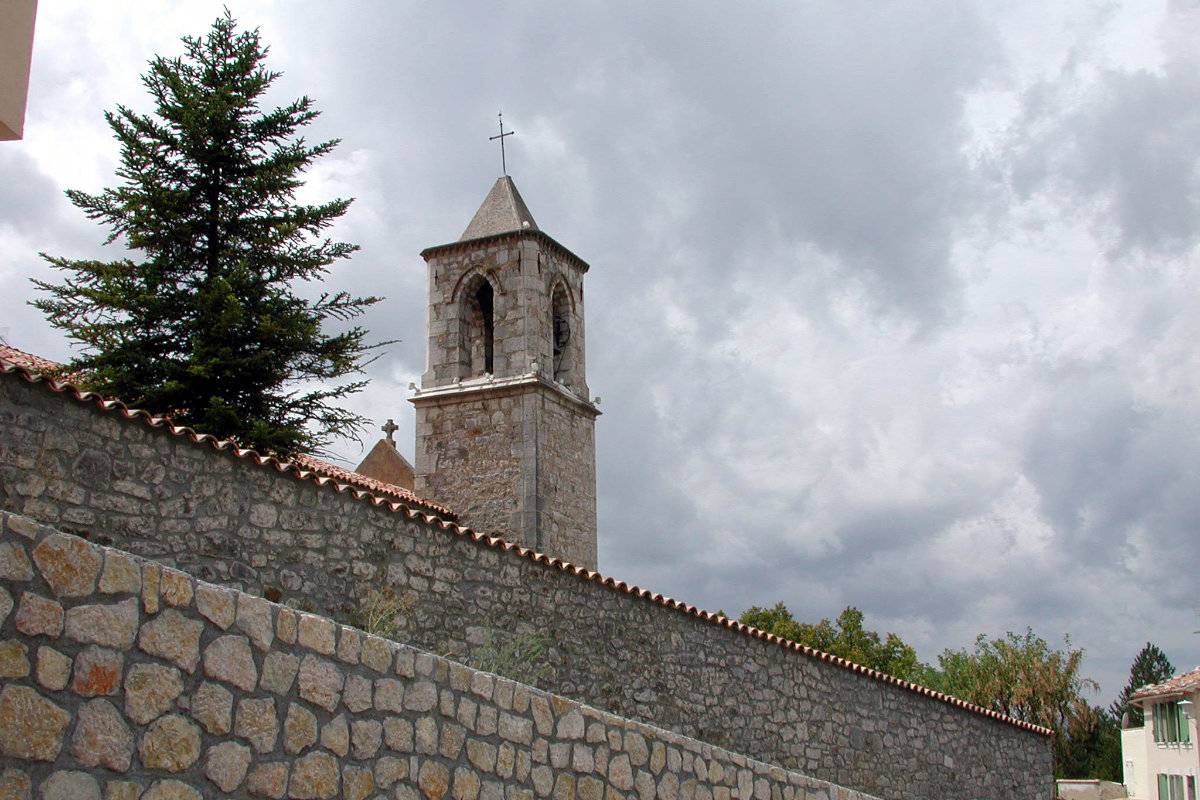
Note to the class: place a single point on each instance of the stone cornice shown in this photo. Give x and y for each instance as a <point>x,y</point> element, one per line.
<point>470,244</point>
<point>488,387</point>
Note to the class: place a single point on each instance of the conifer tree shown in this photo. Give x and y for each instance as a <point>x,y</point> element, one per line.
<point>1150,666</point>
<point>202,320</point>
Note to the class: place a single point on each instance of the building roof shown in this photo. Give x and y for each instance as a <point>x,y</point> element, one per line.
<point>39,367</point>
<point>28,360</point>
<point>414,508</point>
<point>1179,686</point>
<point>503,211</point>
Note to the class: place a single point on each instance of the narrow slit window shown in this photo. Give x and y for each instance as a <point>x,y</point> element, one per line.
<point>561,313</point>
<point>484,301</point>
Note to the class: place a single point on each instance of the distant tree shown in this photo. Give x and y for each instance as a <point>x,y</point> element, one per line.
<point>846,637</point>
<point>203,323</point>
<point>1150,666</point>
<point>1092,747</point>
<point>1020,676</point>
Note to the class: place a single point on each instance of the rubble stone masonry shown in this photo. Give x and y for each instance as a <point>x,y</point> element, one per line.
<point>234,522</point>
<point>124,680</point>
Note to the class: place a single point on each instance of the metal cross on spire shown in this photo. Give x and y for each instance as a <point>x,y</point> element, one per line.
<point>389,429</point>
<point>502,134</point>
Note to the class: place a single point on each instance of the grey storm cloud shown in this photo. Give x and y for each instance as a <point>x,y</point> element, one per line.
<point>888,306</point>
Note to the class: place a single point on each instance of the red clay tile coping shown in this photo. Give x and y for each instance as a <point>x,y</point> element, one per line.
<point>302,466</point>
<point>496,543</point>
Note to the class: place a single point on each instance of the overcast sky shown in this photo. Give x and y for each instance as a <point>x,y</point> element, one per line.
<point>891,305</point>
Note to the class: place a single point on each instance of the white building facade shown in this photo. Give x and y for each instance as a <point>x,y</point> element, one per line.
<point>1160,758</point>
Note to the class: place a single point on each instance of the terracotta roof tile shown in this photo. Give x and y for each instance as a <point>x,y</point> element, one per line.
<point>1184,684</point>
<point>496,543</point>
<point>36,365</point>
<point>27,360</point>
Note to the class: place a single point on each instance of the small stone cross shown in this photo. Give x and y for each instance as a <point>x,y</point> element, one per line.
<point>389,429</point>
<point>503,160</point>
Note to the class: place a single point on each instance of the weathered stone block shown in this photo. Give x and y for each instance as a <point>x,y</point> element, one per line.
<point>109,625</point>
<point>39,616</point>
<point>70,785</point>
<point>53,668</point>
<point>254,618</point>
<point>150,691</point>
<point>268,780</point>
<point>318,634</point>
<point>357,694</point>
<point>228,658</point>
<point>226,764</point>
<point>175,588</point>
<point>172,636</point>
<point>170,744</point>
<point>97,671</point>
<point>14,659</point>
<point>14,562</point>
<point>398,734</point>
<point>69,564</point>
<point>15,785</point>
<point>314,777</point>
<point>421,696</point>
<point>31,727</point>
<point>299,729</point>
<point>286,626</point>
<point>335,735</point>
<point>434,780</point>
<point>122,574</point>
<point>366,735</point>
<point>101,737</point>
<point>216,604</point>
<point>122,790</point>
<point>212,707</point>
<point>171,790</point>
<point>376,654</point>
<point>357,782</point>
<point>279,672</point>
<point>349,646</point>
<point>389,769</point>
<point>257,723</point>
<point>320,682</point>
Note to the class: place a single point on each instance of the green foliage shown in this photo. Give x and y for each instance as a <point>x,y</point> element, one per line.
<point>202,323</point>
<point>523,658</point>
<point>846,637</point>
<point>1150,666</point>
<point>1020,676</point>
<point>380,611</point>
<point>1091,746</point>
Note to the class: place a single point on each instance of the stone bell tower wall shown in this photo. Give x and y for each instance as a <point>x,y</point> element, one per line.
<point>513,451</point>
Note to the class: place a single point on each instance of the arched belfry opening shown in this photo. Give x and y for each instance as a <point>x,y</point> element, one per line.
<point>479,328</point>
<point>560,313</point>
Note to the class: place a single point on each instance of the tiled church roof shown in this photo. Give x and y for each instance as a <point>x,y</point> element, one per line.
<point>415,510</point>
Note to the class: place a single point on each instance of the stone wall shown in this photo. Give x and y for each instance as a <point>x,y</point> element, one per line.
<point>125,680</point>
<point>617,648</point>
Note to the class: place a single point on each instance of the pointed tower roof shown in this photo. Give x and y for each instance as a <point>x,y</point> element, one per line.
<point>503,211</point>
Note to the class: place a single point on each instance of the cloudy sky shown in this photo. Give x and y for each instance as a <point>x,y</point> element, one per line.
<point>892,305</point>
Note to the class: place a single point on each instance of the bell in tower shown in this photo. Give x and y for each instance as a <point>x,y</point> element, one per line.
<point>505,429</point>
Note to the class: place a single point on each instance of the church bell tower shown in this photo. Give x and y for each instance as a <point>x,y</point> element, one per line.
<point>505,426</point>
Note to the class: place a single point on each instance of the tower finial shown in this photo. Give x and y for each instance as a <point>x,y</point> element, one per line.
<point>502,134</point>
